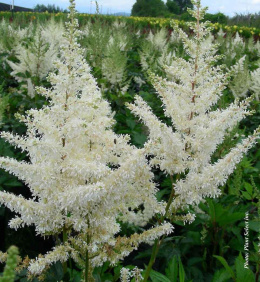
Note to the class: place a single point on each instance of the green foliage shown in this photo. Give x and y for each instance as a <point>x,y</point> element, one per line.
<point>11,263</point>
<point>181,5</point>
<point>216,18</point>
<point>238,272</point>
<point>173,7</point>
<point>49,8</point>
<point>3,103</point>
<point>148,8</point>
<point>156,8</point>
<point>246,19</point>
<point>174,272</point>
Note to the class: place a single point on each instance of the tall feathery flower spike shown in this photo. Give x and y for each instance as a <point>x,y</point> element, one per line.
<point>184,150</point>
<point>189,92</point>
<point>82,181</point>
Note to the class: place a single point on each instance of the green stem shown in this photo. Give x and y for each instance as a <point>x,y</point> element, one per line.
<point>170,199</point>
<point>86,266</point>
<point>158,242</point>
<point>65,239</point>
<point>70,265</point>
<point>152,259</point>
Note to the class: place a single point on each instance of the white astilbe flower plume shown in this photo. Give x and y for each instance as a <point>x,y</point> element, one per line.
<point>37,57</point>
<point>255,85</point>
<point>11,37</point>
<point>192,88</point>
<point>240,84</point>
<point>126,274</point>
<point>83,177</point>
<point>155,51</point>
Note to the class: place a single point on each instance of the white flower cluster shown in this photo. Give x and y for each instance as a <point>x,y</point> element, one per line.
<point>11,37</point>
<point>240,84</point>
<point>83,177</point>
<point>107,48</point>
<point>36,57</point>
<point>155,50</point>
<point>255,82</point>
<point>126,274</point>
<point>235,46</point>
<point>192,88</point>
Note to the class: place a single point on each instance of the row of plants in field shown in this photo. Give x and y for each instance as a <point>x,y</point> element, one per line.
<point>23,18</point>
<point>137,150</point>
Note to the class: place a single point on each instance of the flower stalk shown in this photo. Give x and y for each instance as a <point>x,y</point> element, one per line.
<point>189,92</point>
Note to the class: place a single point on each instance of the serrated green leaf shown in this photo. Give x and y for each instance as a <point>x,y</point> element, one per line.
<point>246,195</point>
<point>254,225</point>
<point>249,188</point>
<point>230,218</point>
<point>227,267</point>
<point>221,276</point>
<point>243,274</point>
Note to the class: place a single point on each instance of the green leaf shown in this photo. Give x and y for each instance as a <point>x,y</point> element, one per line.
<point>243,274</point>
<point>254,225</point>
<point>158,277</point>
<point>194,260</point>
<point>246,195</point>
<point>227,267</point>
<point>181,272</point>
<point>139,138</point>
<point>230,218</point>
<point>249,188</point>
<point>221,276</point>
<point>76,276</point>
<point>131,123</point>
<point>172,269</point>
<point>212,211</point>
<point>55,272</point>
<point>161,193</point>
<point>13,183</point>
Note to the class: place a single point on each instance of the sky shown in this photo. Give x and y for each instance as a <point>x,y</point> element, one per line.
<point>228,7</point>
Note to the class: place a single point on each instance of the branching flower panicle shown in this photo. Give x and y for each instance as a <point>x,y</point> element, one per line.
<point>83,177</point>
<point>189,93</point>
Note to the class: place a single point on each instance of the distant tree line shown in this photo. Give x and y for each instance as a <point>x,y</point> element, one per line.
<point>155,8</point>
<point>252,20</point>
<point>172,8</point>
<point>49,8</point>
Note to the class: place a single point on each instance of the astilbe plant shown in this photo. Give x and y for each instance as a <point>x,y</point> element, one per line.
<point>241,82</point>
<point>255,82</point>
<point>11,36</point>
<point>107,48</point>
<point>114,63</point>
<point>155,51</point>
<point>36,55</point>
<point>184,149</point>
<point>84,179</point>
